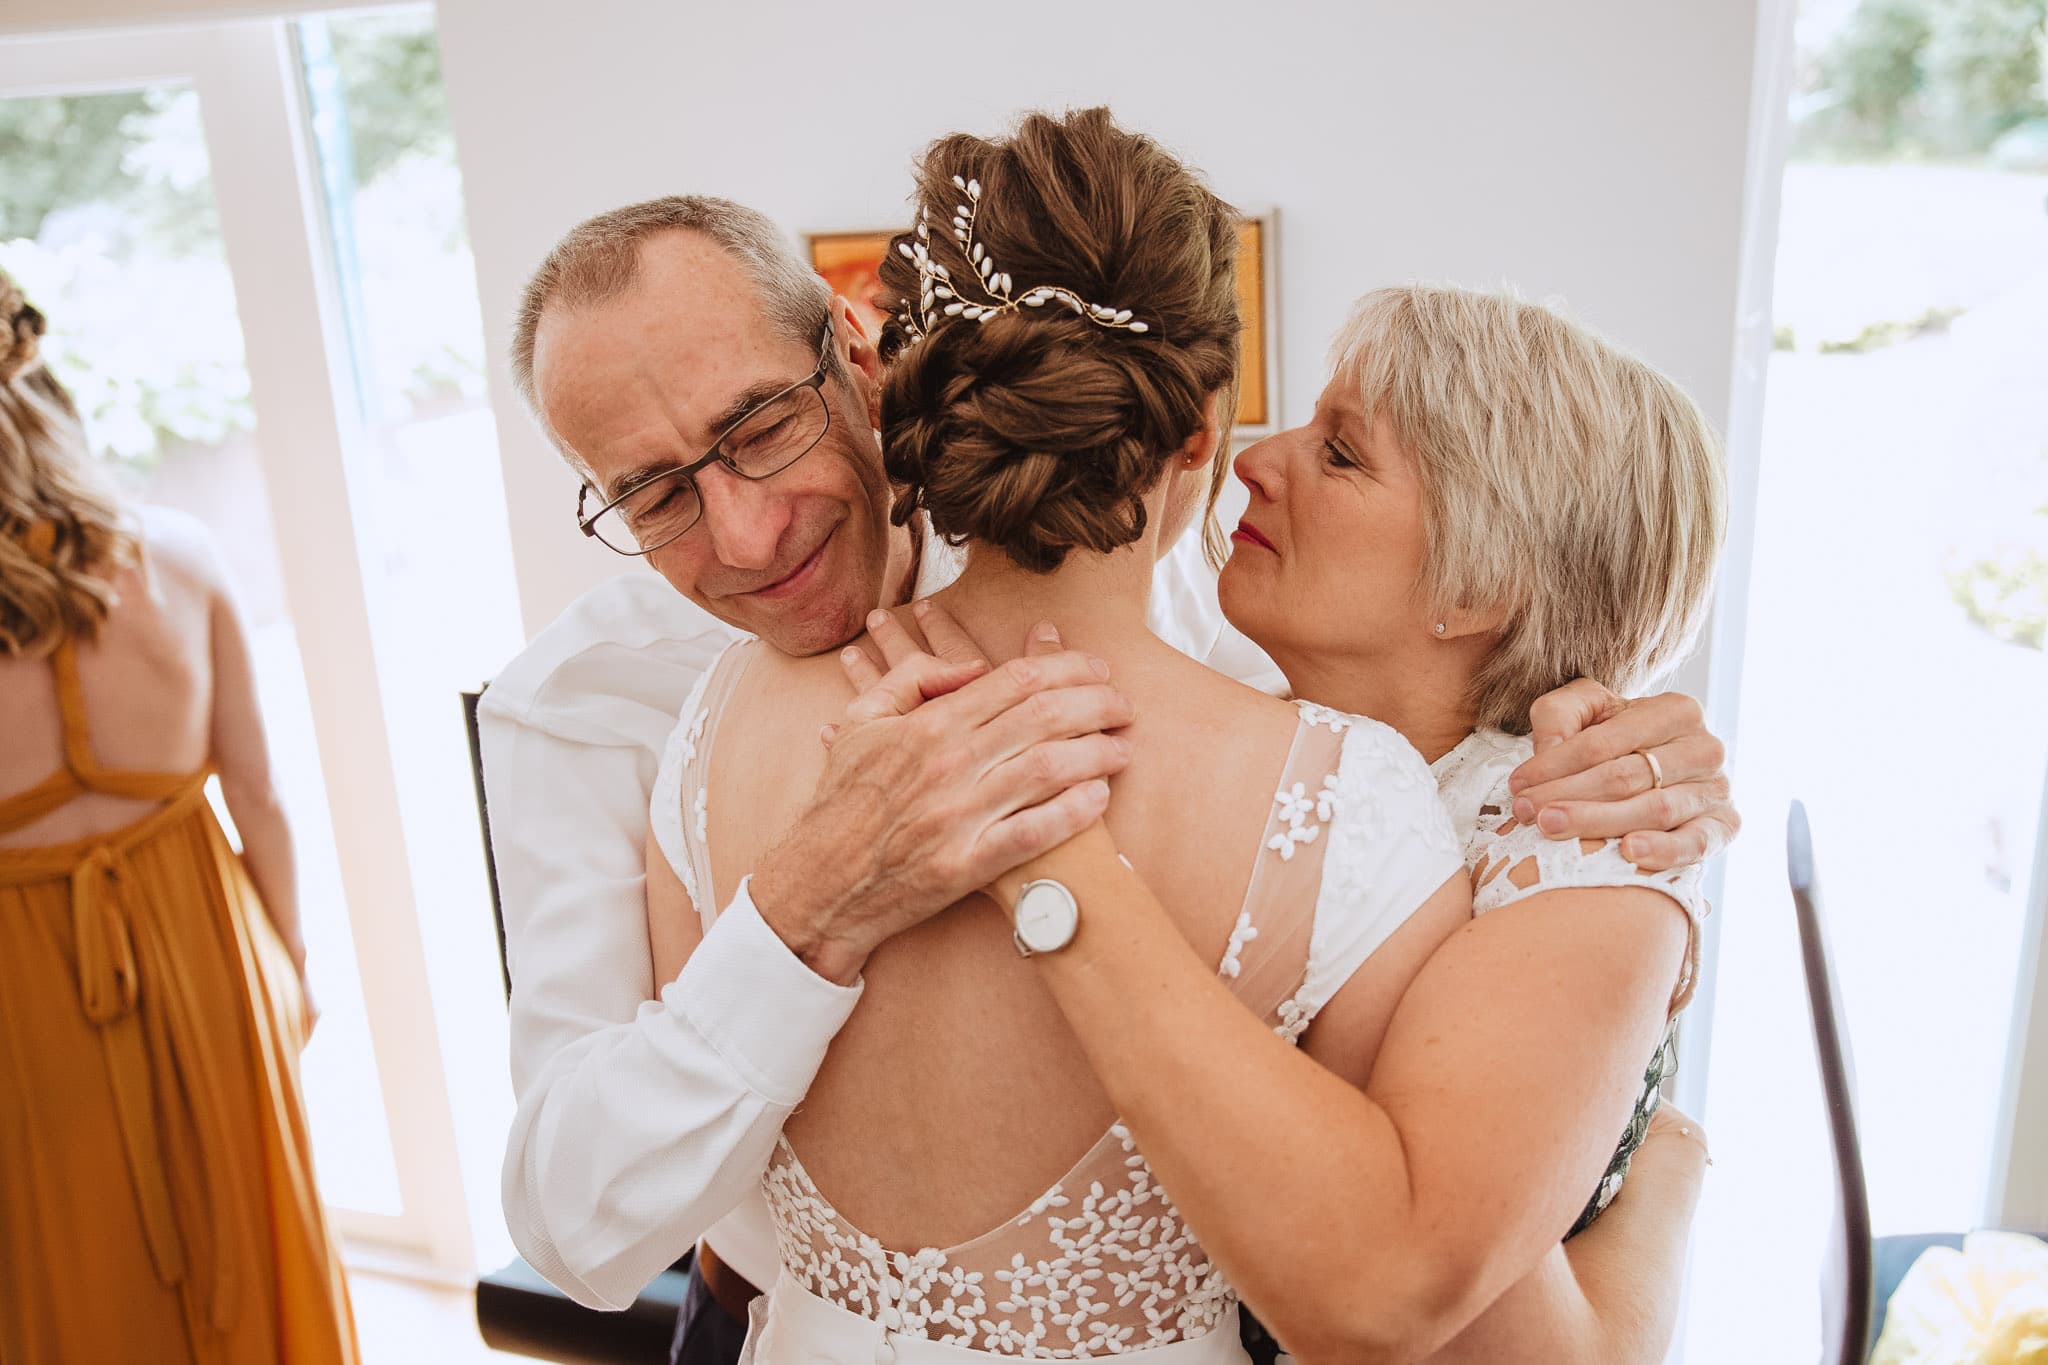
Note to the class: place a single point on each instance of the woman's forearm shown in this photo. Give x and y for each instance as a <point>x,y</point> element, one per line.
<point>1295,1181</point>
<point>1631,1261</point>
<point>1610,1295</point>
<point>1443,1182</point>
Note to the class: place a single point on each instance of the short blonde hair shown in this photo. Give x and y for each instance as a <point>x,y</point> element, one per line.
<point>1565,483</point>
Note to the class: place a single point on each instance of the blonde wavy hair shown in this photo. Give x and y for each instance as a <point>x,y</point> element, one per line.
<point>1566,484</point>
<point>62,532</point>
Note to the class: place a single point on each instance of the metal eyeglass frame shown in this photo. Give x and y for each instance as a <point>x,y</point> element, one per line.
<point>688,472</point>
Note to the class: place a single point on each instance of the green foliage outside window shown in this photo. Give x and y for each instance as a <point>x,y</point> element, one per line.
<point>1928,78</point>
<point>108,220</point>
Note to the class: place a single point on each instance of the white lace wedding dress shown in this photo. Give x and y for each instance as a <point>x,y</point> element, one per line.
<point>1099,1264</point>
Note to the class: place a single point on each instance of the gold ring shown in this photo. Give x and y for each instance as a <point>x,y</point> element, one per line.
<point>1656,769</point>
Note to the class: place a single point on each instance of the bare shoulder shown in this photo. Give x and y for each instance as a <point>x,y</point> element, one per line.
<point>794,685</point>
<point>178,547</point>
<point>1208,687</point>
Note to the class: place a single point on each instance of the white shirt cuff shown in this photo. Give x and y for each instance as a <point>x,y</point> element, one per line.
<point>769,1015</point>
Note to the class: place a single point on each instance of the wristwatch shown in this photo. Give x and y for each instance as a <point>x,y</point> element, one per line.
<point>1045,918</point>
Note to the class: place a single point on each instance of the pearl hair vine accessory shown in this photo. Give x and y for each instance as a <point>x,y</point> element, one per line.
<point>937,290</point>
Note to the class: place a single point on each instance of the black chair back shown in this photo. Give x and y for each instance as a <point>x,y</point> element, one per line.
<point>1847,1295</point>
<point>483,817</point>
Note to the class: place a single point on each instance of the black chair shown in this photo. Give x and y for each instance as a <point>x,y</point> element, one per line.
<point>517,1310</point>
<point>483,818</point>
<point>1847,1291</point>
<point>1862,1273</point>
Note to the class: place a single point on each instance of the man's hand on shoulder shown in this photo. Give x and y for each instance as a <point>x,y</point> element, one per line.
<point>918,810</point>
<point>1646,771</point>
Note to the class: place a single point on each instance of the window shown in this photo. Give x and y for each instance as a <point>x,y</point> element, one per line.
<point>252,254</point>
<point>1894,669</point>
<point>120,245</point>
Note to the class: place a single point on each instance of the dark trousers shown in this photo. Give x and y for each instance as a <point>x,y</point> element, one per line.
<point>705,1333</point>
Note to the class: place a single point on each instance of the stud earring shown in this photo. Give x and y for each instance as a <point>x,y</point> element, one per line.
<point>1439,627</point>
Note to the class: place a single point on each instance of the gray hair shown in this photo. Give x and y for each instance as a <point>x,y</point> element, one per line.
<point>1564,482</point>
<point>599,259</point>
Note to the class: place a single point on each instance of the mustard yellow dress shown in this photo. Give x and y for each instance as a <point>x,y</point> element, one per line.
<point>156,1178</point>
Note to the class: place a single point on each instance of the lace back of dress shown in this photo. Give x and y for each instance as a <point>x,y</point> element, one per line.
<point>690,762</point>
<point>1269,952</point>
<point>1101,1263</point>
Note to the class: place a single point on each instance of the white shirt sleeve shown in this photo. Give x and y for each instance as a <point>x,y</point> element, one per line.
<point>641,1119</point>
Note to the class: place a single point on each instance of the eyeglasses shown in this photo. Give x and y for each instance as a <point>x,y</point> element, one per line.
<point>765,440</point>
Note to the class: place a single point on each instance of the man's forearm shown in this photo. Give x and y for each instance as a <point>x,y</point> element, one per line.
<point>810,896</point>
<point>601,1221</point>
<point>633,1140</point>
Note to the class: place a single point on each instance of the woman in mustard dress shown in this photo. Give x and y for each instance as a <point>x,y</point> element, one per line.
<point>157,1200</point>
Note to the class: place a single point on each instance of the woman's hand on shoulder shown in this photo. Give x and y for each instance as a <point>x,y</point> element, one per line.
<point>1643,770</point>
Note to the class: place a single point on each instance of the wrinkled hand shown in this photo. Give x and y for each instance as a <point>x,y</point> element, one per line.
<point>1587,780</point>
<point>916,811</point>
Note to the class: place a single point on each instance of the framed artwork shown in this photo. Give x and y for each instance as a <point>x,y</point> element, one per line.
<point>849,262</point>
<point>1259,364</point>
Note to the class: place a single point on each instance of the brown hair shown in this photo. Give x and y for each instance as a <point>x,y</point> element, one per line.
<point>60,529</point>
<point>1035,430</point>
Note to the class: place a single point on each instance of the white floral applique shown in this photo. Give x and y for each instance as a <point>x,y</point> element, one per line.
<point>1336,722</point>
<point>1295,1017</point>
<point>678,762</point>
<point>1296,806</point>
<point>1241,933</point>
<point>1108,1269</point>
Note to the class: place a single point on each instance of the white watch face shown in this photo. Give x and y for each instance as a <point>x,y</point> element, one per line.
<point>1046,917</point>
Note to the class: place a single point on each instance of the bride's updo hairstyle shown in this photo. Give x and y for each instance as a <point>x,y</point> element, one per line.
<point>1037,426</point>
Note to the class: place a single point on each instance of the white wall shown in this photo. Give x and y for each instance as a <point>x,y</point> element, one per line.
<point>1592,151</point>
<point>61,16</point>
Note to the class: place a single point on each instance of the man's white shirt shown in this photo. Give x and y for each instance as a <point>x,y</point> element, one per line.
<point>646,1117</point>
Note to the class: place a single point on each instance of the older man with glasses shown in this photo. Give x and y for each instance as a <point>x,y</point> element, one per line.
<point>661,347</point>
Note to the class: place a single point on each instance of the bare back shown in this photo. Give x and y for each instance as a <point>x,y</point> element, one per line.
<point>148,684</point>
<point>958,1064</point>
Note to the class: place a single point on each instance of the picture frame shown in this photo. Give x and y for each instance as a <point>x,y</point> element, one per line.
<point>849,262</point>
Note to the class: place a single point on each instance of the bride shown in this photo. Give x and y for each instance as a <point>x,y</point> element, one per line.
<point>957,1183</point>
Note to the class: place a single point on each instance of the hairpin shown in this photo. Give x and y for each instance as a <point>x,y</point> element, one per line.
<point>936,287</point>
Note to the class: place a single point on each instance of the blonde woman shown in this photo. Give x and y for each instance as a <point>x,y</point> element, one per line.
<point>160,1202</point>
<point>1488,501</point>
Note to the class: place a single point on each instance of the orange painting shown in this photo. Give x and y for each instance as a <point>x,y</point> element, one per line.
<point>848,261</point>
<point>1253,345</point>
